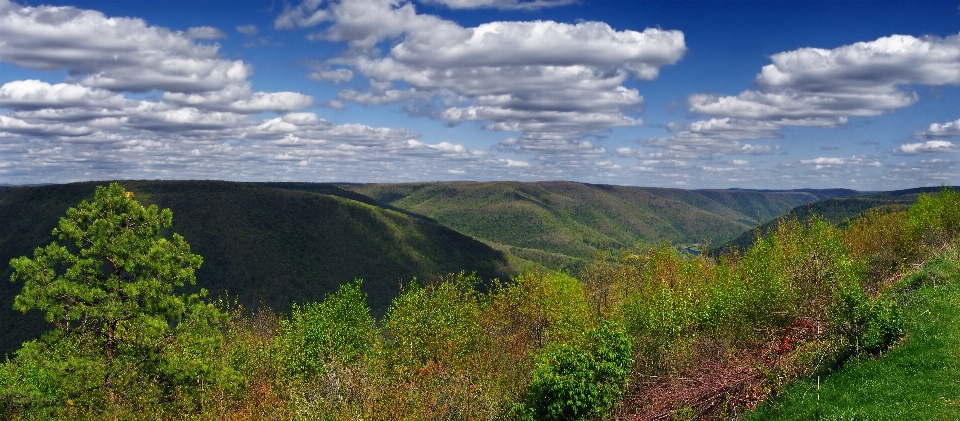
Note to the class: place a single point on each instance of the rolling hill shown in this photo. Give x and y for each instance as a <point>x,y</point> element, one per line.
<point>836,210</point>
<point>561,224</point>
<point>265,243</point>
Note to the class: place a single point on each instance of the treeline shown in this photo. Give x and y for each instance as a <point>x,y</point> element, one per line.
<point>542,346</point>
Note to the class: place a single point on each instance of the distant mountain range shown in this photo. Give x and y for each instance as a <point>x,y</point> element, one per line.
<point>560,225</point>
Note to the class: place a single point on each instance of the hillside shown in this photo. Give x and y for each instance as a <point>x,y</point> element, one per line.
<point>267,244</point>
<point>560,224</point>
<point>836,210</point>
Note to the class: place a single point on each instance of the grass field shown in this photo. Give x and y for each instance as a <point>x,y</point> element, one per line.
<point>916,380</point>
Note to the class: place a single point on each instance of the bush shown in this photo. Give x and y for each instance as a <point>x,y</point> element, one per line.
<point>935,220</point>
<point>864,324</point>
<point>573,382</point>
<point>339,330</point>
<point>879,239</point>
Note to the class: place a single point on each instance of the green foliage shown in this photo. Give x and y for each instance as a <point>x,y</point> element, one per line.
<point>864,324</point>
<point>539,346</point>
<point>338,330</point>
<point>839,211</point>
<point>537,309</point>
<point>914,380</point>
<point>573,382</point>
<point>576,220</point>
<point>266,244</point>
<point>935,220</point>
<point>438,322</point>
<point>109,292</point>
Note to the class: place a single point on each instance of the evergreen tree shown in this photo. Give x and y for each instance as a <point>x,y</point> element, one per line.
<point>108,287</point>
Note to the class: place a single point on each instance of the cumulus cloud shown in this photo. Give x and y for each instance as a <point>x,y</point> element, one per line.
<point>708,138</point>
<point>122,54</point>
<point>206,122</point>
<point>928,147</point>
<point>515,164</point>
<point>241,98</point>
<point>553,82</point>
<point>949,129</point>
<point>861,79</point>
<point>35,94</point>
<point>815,87</point>
<point>204,32</point>
<point>830,162</point>
<point>500,4</point>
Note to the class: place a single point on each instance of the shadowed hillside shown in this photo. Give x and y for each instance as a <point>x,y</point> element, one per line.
<point>269,243</point>
<point>559,224</point>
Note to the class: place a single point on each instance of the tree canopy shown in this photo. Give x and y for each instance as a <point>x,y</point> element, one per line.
<point>107,284</point>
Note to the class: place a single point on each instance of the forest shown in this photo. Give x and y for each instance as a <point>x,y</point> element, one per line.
<point>130,339</point>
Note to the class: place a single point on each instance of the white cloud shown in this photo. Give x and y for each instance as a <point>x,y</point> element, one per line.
<point>830,162</point>
<point>516,164</point>
<point>553,82</point>
<point>240,98</point>
<point>500,4</point>
<point>331,75</point>
<point>607,165</point>
<point>928,147</point>
<point>550,146</point>
<point>15,126</point>
<point>248,30</point>
<point>949,129</point>
<point>706,138</point>
<point>861,79</point>
<point>35,94</point>
<point>817,87</point>
<point>120,54</point>
<point>204,32</point>
<point>206,121</point>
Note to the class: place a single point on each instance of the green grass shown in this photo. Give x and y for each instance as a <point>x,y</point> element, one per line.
<point>918,379</point>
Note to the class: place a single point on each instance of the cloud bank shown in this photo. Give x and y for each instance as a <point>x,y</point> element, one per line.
<point>552,82</point>
<point>207,122</point>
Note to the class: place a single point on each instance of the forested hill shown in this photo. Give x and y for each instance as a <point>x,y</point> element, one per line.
<point>560,224</point>
<point>838,210</point>
<point>266,243</point>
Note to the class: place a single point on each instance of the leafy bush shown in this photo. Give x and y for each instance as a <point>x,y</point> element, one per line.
<point>572,382</point>
<point>935,220</point>
<point>879,239</point>
<point>864,324</point>
<point>439,322</point>
<point>339,329</point>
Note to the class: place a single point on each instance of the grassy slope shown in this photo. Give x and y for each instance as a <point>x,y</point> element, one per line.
<point>560,223</point>
<point>264,243</point>
<point>916,380</point>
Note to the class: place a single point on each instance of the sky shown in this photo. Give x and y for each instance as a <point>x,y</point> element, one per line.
<point>700,94</point>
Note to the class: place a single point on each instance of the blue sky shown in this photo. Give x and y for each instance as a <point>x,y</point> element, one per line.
<point>692,94</point>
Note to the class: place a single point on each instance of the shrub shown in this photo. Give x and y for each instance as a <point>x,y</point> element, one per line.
<point>879,239</point>
<point>339,330</point>
<point>573,382</point>
<point>864,324</point>
<point>935,220</point>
